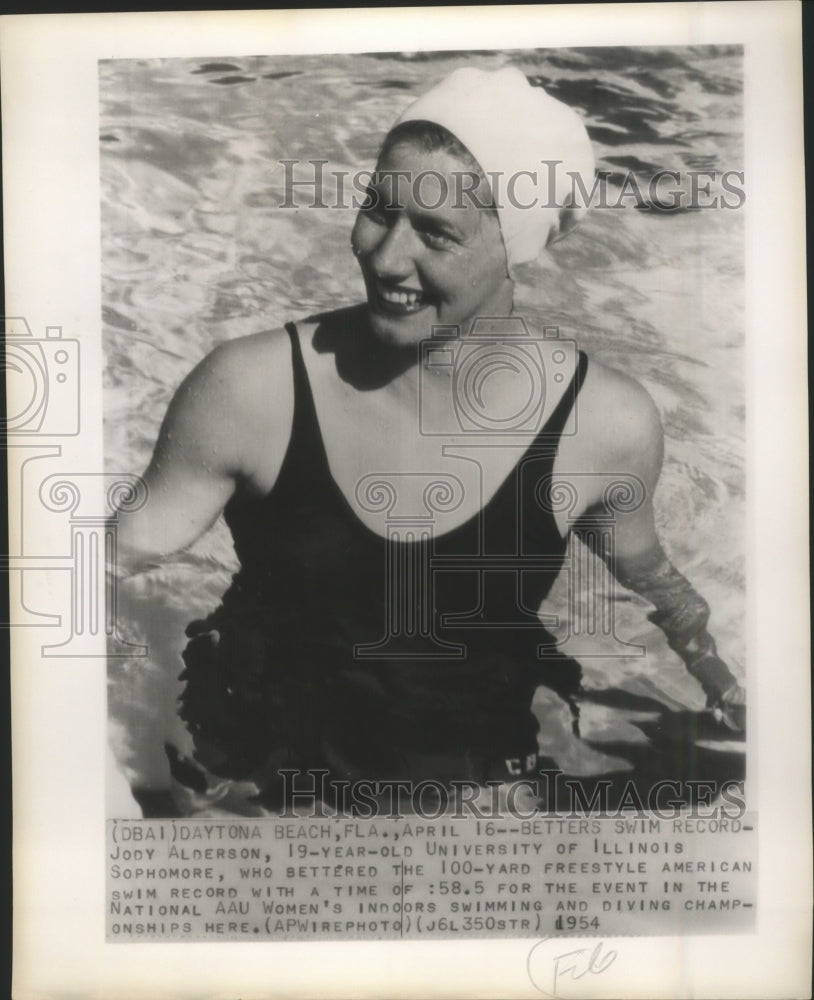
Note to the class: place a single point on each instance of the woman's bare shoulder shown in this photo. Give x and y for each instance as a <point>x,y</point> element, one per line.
<point>237,402</point>
<point>253,356</point>
<point>618,421</point>
<point>248,374</point>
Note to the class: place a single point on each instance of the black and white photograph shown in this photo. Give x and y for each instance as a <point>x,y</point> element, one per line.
<point>432,426</point>
<point>411,495</point>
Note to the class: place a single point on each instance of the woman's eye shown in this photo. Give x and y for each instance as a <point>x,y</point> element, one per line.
<point>437,239</point>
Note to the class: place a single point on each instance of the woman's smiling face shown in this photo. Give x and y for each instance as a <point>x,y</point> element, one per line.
<point>429,255</point>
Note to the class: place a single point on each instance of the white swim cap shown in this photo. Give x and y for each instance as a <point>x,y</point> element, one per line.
<point>510,128</point>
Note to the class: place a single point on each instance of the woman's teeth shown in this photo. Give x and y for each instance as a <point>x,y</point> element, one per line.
<point>407,300</point>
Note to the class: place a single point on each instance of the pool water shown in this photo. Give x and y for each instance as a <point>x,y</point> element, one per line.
<point>196,250</point>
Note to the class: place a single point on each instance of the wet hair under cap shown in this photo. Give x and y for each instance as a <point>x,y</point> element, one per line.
<point>429,137</point>
<point>515,130</point>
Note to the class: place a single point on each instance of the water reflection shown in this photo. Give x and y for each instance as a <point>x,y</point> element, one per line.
<point>197,250</point>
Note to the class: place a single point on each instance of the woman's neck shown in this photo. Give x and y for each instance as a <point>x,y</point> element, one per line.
<point>368,363</point>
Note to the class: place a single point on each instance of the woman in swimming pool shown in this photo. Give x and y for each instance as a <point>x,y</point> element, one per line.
<point>395,510</point>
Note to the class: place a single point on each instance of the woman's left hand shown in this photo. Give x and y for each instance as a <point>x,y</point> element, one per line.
<point>730,709</point>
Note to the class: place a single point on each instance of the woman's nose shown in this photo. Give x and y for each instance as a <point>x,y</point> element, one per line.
<point>394,255</point>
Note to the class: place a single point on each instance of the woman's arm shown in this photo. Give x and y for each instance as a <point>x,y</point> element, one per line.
<point>228,422</point>
<point>625,429</point>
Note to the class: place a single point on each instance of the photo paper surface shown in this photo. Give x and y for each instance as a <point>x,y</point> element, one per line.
<point>406,503</point>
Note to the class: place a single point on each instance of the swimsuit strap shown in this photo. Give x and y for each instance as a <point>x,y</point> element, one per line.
<point>306,459</point>
<point>306,466</point>
<point>562,411</point>
<point>305,430</point>
<point>305,426</point>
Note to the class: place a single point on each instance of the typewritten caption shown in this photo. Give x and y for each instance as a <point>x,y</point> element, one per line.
<point>389,879</point>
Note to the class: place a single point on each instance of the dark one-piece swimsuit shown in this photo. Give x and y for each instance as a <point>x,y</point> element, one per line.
<point>373,658</point>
